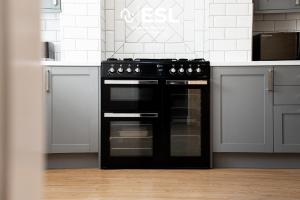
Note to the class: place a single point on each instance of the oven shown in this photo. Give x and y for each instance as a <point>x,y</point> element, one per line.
<point>187,122</point>
<point>155,114</point>
<point>129,139</point>
<point>130,95</point>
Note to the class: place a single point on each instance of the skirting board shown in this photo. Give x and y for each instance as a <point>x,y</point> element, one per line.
<point>256,160</point>
<point>65,161</point>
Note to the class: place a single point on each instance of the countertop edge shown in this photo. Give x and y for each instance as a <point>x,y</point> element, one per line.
<point>70,64</point>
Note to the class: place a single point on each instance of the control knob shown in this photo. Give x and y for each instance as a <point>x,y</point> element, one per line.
<point>111,70</point>
<point>128,70</point>
<point>137,70</point>
<point>189,70</point>
<point>198,70</point>
<point>181,70</point>
<point>172,70</point>
<point>120,70</point>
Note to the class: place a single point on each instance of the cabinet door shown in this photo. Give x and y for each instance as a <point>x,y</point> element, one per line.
<point>51,5</point>
<point>73,110</point>
<point>276,5</point>
<point>287,129</point>
<point>242,109</point>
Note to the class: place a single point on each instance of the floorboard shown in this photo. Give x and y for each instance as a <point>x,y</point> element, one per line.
<point>214,184</point>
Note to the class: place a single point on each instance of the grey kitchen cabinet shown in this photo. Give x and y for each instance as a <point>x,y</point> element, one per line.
<point>276,6</point>
<point>72,109</point>
<point>287,109</point>
<point>287,129</point>
<point>242,105</point>
<point>51,5</point>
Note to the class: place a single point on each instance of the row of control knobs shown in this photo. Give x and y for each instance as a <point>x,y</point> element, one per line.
<point>188,70</point>
<point>121,70</point>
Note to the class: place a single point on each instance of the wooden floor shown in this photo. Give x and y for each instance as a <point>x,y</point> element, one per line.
<point>217,184</point>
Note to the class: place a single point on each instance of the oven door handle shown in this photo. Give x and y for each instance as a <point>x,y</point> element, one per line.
<point>130,115</point>
<point>131,82</point>
<point>187,82</point>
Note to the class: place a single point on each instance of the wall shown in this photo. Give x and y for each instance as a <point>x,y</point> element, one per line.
<point>230,30</point>
<point>288,22</point>
<point>184,38</point>
<point>75,31</point>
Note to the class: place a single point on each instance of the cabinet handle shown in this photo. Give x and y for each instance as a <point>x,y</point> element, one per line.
<point>55,2</point>
<point>297,2</point>
<point>48,75</point>
<point>270,80</point>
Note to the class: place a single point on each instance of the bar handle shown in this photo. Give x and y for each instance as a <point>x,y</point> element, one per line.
<point>186,82</point>
<point>131,82</point>
<point>270,80</point>
<point>130,115</point>
<point>47,84</point>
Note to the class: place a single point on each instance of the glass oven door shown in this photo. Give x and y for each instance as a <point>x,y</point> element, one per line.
<point>188,119</point>
<point>130,95</point>
<point>128,138</point>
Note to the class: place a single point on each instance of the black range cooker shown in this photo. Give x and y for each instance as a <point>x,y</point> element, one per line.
<point>155,113</point>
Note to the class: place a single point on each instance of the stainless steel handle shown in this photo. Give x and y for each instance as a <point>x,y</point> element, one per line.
<point>297,2</point>
<point>55,2</point>
<point>131,115</point>
<point>186,82</point>
<point>131,82</point>
<point>270,80</point>
<point>48,75</point>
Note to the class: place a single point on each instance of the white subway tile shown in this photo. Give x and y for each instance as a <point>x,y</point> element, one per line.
<point>74,33</point>
<point>68,20</point>
<point>236,33</point>
<point>52,25</point>
<point>109,41</point>
<point>174,47</point>
<point>224,21</point>
<point>243,45</point>
<point>237,9</point>
<point>244,21</point>
<point>224,44</point>
<point>236,56</point>
<point>87,45</point>
<point>76,56</point>
<point>93,9</point>
<point>87,21</point>
<point>94,33</point>
<point>68,44</point>
<point>74,9</point>
<point>110,19</point>
<point>216,33</point>
<point>94,56</point>
<point>217,9</point>
<point>49,36</point>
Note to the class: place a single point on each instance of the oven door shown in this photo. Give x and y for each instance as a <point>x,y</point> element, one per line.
<point>128,139</point>
<point>130,95</point>
<point>187,122</point>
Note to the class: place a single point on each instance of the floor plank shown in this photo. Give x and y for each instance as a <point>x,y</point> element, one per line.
<point>214,184</point>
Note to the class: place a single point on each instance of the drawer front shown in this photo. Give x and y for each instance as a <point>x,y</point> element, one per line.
<point>287,95</point>
<point>287,75</point>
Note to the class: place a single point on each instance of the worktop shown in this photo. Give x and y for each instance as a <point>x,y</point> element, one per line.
<point>213,64</point>
<point>70,64</point>
<point>256,63</point>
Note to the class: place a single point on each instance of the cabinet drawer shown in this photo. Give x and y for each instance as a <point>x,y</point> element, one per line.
<point>287,75</point>
<point>288,95</point>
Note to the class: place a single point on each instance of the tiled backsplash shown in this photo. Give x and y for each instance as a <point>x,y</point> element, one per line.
<point>230,30</point>
<point>219,30</point>
<point>75,31</point>
<point>182,37</point>
<point>287,22</point>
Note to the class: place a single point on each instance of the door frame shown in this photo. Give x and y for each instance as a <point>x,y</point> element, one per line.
<point>21,101</point>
